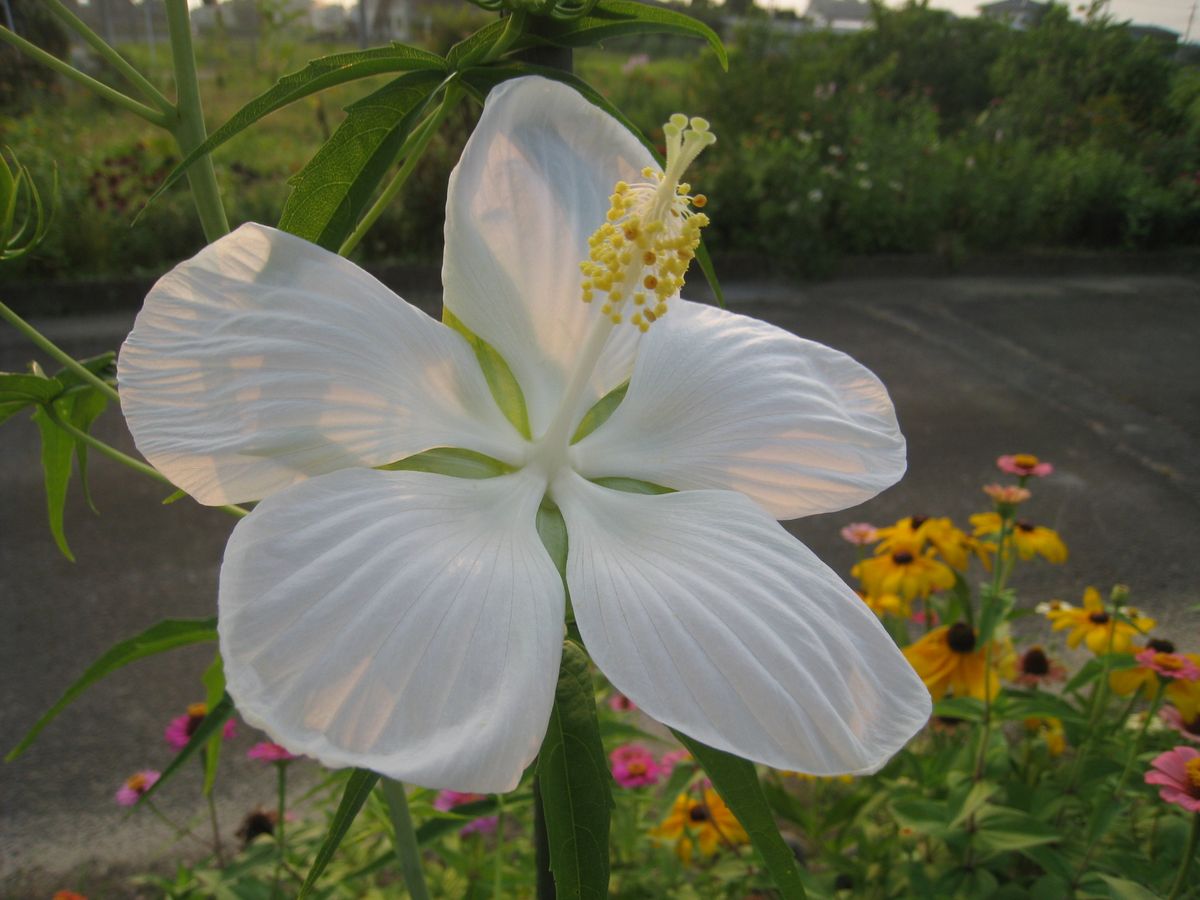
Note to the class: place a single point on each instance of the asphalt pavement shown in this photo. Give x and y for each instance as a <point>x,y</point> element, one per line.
<point>1099,375</point>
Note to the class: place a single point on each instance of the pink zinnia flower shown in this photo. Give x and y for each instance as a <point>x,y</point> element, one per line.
<point>447,800</point>
<point>268,752</point>
<point>620,703</point>
<point>860,533</point>
<point>1036,667</point>
<point>672,758</point>
<point>1188,728</point>
<point>1168,665</point>
<point>1177,773</point>
<point>181,729</point>
<point>1024,464</point>
<point>136,785</point>
<point>1008,494</point>
<point>919,617</point>
<point>634,766</point>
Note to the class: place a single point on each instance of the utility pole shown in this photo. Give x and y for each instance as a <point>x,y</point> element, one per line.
<point>362,24</point>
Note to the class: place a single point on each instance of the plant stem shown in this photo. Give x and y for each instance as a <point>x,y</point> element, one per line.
<point>111,56</point>
<point>1186,862</point>
<point>498,871</point>
<point>179,830</point>
<point>406,839</point>
<point>412,151</point>
<point>1137,741</point>
<point>124,459</point>
<point>188,127</point>
<point>112,95</point>
<point>216,830</point>
<point>59,355</point>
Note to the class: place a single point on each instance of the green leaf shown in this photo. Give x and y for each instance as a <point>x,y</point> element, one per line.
<point>17,387</point>
<point>213,680</point>
<point>484,79</point>
<point>996,607</point>
<point>1122,889</point>
<point>318,75</point>
<point>632,485</point>
<point>451,461</point>
<point>211,724</point>
<point>617,18</point>
<point>575,785</point>
<point>501,381</point>
<point>474,47</point>
<point>330,194</point>
<point>736,780</point>
<point>358,788</point>
<point>166,635</point>
<point>85,409</point>
<point>966,708</point>
<point>972,801</point>
<point>1003,830</point>
<point>921,815</point>
<point>58,449</point>
<point>600,411</point>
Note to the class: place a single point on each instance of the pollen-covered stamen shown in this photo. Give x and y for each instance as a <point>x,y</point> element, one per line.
<point>650,235</point>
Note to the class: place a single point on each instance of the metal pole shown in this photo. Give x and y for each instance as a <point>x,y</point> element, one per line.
<point>148,13</point>
<point>362,24</point>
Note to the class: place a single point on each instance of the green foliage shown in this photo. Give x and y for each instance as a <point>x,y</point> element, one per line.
<point>210,727</point>
<point>165,635</point>
<point>575,786</point>
<point>358,788</point>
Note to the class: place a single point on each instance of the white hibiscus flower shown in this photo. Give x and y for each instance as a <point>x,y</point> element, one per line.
<point>412,623</point>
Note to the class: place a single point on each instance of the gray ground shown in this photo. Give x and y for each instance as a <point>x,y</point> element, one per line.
<point>1099,375</point>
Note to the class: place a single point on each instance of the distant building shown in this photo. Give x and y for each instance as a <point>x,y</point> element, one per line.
<point>1018,14</point>
<point>839,16</point>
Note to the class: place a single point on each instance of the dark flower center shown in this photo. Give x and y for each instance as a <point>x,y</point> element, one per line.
<point>698,813</point>
<point>1034,662</point>
<point>193,723</point>
<point>1159,645</point>
<point>1025,526</point>
<point>917,521</point>
<point>1193,726</point>
<point>1098,618</point>
<point>257,822</point>
<point>961,637</point>
<point>902,557</point>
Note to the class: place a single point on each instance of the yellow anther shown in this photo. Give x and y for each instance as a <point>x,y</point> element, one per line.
<point>621,187</point>
<point>616,318</point>
<point>648,258</point>
<point>614,296</point>
<point>650,282</point>
<point>639,298</point>
<point>699,201</point>
<point>650,315</point>
<point>648,172</point>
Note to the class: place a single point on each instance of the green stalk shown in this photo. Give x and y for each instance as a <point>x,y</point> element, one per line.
<point>541,845</point>
<point>111,56</point>
<point>1186,863</point>
<point>998,579</point>
<point>58,355</point>
<point>1137,741</point>
<point>412,151</point>
<point>498,871</point>
<point>281,818</point>
<point>406,839</point>
<point>188,127</point>
<point>112,95</point>
<point>216,830</point>
<point>125,459</point>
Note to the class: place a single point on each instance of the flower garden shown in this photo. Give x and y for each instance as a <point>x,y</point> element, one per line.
<point>506,596</point>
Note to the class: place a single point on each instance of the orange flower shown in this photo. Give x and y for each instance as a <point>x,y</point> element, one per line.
<point>1094,624</point>
<point>949,661</point>
<point>700,820</point>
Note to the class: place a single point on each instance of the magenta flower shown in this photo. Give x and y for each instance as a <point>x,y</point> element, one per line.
<point>448,800</point>
<point>618,702</point>
<point>672,758</point>
<point>1024,465</point>
<point>634,766</point>
<point>136,785</point>
<point>919,617</point>
<point>860,533</point>
<point>1168,665</point>
<point>268,752</point>
<point>1177,773</point>
<point>181,729</point>
<point>1188,728</point>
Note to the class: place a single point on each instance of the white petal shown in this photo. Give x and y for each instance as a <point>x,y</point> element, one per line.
<point>402,622</point>
<point>715,621</point>
<point>723,401</point>
<point>265,359</point>
<point>531,187</point>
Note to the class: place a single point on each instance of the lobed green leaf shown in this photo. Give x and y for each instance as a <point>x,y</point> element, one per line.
<point>736,780</point>
<point>165,635</point>
<point>358,789</point>
<point>318,75</point>
<point>575,785</point>
<point>331,193</point>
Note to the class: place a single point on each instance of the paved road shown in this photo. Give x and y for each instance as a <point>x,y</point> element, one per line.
<point>1101,376</point>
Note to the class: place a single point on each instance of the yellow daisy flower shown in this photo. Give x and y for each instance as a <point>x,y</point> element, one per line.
<point>703,821</point>
<point>954,546</point>
<point>905,571</point>
<point>949,661</point>
<point>1094,625</point>
<point>887,605</point>
<point>1051,730</point>
<point>1029,539</point>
